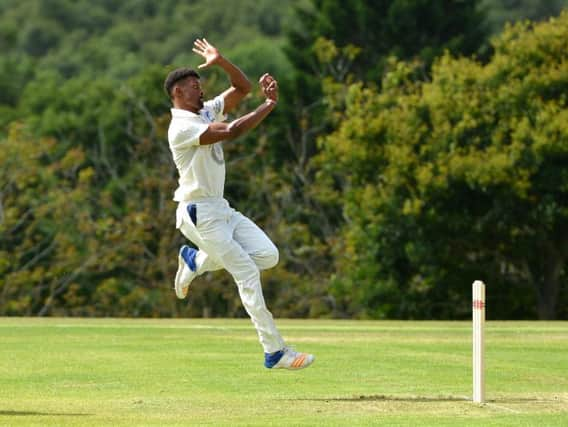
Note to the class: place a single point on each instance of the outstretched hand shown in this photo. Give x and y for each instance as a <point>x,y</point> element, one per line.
<point>207,51</point>
<point>269,87</point>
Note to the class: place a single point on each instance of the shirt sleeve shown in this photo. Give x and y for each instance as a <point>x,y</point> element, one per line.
<point>189,135</point>
<point>216,106</point>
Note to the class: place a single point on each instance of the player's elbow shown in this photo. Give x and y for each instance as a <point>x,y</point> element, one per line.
<point>234,131</point>
<point>242,89</point>
<point>216,132</point>
<point>246,87</point>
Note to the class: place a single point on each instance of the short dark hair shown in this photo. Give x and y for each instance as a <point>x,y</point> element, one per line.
<point>177,75</point>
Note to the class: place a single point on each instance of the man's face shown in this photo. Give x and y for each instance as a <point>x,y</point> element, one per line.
<point>190,93</point>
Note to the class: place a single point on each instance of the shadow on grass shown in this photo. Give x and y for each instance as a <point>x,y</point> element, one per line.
<point>384,398</point>
<point>38,414</point>
<point>523,400</point>
<point>420,399</point>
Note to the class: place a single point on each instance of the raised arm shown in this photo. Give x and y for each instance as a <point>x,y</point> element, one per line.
<point>230,131</point>
<point>240,86</point>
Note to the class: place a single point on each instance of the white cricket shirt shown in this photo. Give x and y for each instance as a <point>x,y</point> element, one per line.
<point>201,168</point>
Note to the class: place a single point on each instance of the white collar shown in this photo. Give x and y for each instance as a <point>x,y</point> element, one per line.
<point>178,112</point>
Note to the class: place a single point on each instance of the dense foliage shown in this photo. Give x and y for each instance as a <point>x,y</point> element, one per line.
<point>424,178</point>
<point>461,177</point>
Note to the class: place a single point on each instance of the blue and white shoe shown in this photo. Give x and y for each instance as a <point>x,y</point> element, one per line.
<point>186,272</point>
<point>288,359</point>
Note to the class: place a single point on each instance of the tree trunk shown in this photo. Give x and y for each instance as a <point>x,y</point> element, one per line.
<point>548,283</point>
<point>547,296</point>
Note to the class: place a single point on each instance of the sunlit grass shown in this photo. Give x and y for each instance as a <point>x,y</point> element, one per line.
<point>127,372</point>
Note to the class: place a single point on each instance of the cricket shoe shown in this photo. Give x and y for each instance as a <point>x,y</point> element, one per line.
<point>288,359</point>
<point>186,272</point>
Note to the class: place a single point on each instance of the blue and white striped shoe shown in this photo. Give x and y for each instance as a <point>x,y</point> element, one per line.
<point>186,272</point>
<point>288,359</point>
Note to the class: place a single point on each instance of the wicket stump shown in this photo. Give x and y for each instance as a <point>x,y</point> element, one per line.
<point>478,308</point>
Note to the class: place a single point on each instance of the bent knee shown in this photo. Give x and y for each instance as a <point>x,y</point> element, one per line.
<point>267,258</point>
<point>273,258</point>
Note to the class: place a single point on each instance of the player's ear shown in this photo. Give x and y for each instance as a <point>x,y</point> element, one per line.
<point>176,91</point>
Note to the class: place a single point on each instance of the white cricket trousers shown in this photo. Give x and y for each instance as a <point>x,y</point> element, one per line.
<point>228,239</point>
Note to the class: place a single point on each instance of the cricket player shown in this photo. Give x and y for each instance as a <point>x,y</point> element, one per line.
<point>225,237</point>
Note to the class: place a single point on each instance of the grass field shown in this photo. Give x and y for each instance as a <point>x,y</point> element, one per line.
<point>128,372</point>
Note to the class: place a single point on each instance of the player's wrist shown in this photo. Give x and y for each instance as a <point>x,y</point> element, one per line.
<point>270,102</point>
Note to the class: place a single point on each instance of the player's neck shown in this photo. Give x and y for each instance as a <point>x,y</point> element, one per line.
<point>184,106</point>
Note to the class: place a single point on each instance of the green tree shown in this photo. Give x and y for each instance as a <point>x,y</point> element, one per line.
<point>456,179</point>
<point>406,29</point>
<point>509,11</point>
<point>417,29</point>
<point>42,251</point>
<point>84,228</point>
<point>322,46</point>
<point>331,45</point>
<point>85,118</point>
